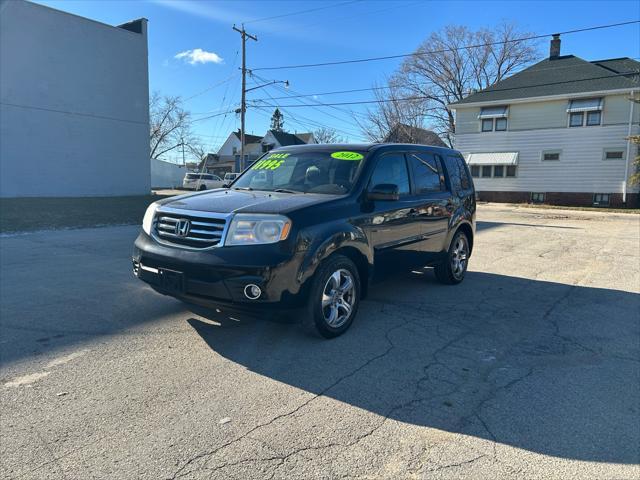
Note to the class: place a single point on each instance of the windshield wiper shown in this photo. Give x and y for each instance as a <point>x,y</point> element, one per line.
<point>243,188</point>
<point>286,190</point>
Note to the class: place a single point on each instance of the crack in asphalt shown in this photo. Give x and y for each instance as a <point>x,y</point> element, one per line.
<point>466,325</point>
<point>390,347</point>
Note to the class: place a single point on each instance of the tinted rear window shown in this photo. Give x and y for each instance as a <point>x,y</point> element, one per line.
<point>196,176</point>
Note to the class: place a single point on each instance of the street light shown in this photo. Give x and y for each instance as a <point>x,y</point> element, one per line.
<point>285,82</point>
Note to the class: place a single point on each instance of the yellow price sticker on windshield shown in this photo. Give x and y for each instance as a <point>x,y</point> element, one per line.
<point>347,155</point>
<point>272,162</point>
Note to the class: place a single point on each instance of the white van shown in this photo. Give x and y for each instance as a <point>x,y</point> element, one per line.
<point>202,181</point>
<point>230,177</point>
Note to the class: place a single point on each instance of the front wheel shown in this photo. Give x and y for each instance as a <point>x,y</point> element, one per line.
<point>202,187</point>
<point>334,297</point>
<point>451,271</point>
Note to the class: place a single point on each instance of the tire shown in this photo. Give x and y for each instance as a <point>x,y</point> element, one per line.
<point>202,187</point>
<point>452,270</point>
<point>330,311</point>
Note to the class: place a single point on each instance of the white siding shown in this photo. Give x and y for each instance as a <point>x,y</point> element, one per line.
<point>580,169</point>
<point>616,110</point>
<point>74,116</point>
<point>527,116</point>
<point>467,120</point>
<point>227,147</point>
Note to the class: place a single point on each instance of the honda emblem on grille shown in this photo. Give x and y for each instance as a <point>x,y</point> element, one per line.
<point>182,227</point>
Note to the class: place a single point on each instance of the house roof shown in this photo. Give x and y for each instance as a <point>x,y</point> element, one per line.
<point>563,75</point>
<point>305,137</point>
<point>285,138</point>
<point>248,138</point>
<point>402,133</point>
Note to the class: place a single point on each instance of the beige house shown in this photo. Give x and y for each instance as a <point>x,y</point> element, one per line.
<point>556,132</point>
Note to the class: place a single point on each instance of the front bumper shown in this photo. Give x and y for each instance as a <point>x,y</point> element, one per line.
<point>218,276</point>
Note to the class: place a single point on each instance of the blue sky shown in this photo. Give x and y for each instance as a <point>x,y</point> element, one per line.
<point>345,30</point>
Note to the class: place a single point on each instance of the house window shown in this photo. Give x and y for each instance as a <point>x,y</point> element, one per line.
<point>493,118</point>
<point>551,155</point>
<point>590,108</point>
<point>486,171</point>
<point>593,118</point>
<point>575,120</point>
<point>475,171</point>
<point>613,154</point>
<point>511,170</point>
<point>601,199</point>
<point>498,171</point>
<point>537,197</point>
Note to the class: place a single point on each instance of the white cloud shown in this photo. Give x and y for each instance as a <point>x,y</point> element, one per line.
<point>197,55</point>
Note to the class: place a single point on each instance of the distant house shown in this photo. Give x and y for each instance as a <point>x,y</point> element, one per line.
<point>402,133</point>
<point>556,132</point>
<point>274,139</point>
<point>228,157</point>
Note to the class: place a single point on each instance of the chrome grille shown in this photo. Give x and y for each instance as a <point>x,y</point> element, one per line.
<point>189,229</point>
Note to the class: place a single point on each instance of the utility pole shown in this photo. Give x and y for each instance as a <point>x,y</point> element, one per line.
<point>243,105</point>
<point>182,142</point>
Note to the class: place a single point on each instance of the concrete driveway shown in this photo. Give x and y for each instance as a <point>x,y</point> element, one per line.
<point>529,369</point>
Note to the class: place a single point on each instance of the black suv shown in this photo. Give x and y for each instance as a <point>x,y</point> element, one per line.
<point>308,226</point>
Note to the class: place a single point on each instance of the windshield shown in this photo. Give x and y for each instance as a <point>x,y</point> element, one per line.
<point>309,172</point>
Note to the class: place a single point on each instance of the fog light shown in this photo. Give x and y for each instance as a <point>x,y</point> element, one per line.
<point>252,291</point>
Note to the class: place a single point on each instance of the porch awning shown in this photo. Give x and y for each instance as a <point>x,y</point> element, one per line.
<point>494,158</point>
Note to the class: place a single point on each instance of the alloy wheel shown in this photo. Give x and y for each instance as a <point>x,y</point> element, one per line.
<point>338,297</point>
<point>459,257</point>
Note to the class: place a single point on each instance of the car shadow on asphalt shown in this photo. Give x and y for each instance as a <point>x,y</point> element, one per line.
<point>547,367</point>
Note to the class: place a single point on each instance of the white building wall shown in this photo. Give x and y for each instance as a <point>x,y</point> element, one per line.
<point>228,146</point>
<point>166,174</point>
<point>74,102</point>
<point>580,169</point>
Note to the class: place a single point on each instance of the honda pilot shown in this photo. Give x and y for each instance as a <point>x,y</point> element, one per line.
<point>306,228</point>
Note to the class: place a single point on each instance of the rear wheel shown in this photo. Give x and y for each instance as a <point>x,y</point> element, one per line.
<point>334,297</point>
<point>202,187</point>
<point>451,271</point>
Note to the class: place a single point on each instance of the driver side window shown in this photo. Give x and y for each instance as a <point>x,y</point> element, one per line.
<point>391,168</point>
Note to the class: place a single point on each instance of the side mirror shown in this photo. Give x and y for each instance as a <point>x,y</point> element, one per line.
<point>384,191</point>
<point>226,185</point>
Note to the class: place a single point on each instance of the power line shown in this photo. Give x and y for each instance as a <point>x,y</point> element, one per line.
<point>300,12</point>
<point>387,87</point>
<point>466,47</point>
<point>212,116</point>
<point>213,86</point>
<point>428,97</point>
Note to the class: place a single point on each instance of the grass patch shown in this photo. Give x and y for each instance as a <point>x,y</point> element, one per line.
<point>30,214</point>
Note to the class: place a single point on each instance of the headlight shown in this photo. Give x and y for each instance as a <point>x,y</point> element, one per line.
<point>246,229</point>
<point>147,221</point>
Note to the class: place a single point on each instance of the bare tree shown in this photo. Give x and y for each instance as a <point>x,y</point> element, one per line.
<point>327,135</point>
<point>170,127</point>
<point>394,107</point>
<point>451,64</point>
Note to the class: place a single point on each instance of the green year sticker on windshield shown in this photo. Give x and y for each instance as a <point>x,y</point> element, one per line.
<point>347,155</point>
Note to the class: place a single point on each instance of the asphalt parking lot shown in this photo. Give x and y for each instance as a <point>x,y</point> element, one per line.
<point>529,369</point>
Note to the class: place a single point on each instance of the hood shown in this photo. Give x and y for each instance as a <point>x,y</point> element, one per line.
<point>255,201</point>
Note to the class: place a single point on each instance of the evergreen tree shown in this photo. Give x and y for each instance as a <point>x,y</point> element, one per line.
<point>277,121</point>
